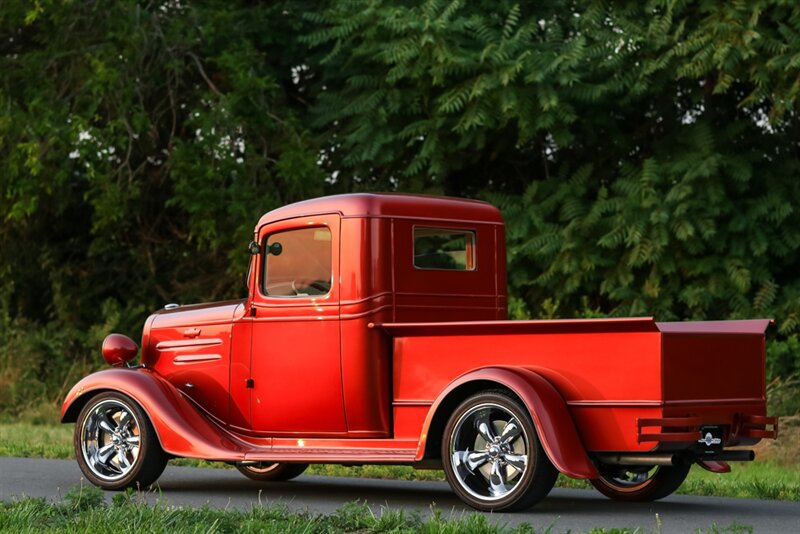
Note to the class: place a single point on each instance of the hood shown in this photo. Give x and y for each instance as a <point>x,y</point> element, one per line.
<point>169,324</point>
<point>197,314</point>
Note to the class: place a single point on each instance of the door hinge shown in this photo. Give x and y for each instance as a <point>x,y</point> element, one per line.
<point>249,383</point>
<point>252,311</point>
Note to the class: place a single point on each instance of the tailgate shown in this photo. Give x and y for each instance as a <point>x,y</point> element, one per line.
<point>719,361</point>
<point>713,380</point>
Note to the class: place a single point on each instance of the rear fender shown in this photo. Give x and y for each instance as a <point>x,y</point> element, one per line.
<point>552,419</point>
<point>181,428</point>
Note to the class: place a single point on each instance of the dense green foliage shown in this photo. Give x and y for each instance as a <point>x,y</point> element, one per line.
<point>644,154</point>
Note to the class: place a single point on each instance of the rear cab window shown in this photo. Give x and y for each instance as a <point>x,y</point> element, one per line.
<point>444,249</point>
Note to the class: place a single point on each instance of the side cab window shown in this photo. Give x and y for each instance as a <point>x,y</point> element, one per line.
<point>297,263</point>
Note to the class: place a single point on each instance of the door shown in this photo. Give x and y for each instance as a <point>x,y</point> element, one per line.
<point>295,352</point>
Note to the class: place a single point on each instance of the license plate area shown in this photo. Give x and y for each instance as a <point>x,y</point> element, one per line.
<point>711,439</point>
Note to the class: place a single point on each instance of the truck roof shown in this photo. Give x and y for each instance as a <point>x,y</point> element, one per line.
<point>389,205</point>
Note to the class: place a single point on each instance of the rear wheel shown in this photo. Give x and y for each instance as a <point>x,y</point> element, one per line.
<point>640,483</point>
<point>492,456</point>
<point>116,445</point>
<point>271,472</point>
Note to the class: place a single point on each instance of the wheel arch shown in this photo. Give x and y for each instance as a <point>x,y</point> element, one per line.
<point>71,411</point>
<point>446,404</point>
<point>544,403</point>
<point>180,427</point>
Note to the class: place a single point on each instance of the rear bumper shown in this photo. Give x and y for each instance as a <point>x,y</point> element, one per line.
<point>687,429</point>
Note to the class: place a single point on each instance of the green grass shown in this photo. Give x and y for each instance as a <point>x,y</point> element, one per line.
<point>30,440</point>
<point>84,510</point>
<point>758,480</point>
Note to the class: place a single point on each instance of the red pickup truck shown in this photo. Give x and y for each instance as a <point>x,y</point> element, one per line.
<point>375,332</point>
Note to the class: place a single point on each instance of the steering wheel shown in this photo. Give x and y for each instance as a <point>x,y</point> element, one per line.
<point>323,286</point>
<point>320,287</point>
<point>278,289</point>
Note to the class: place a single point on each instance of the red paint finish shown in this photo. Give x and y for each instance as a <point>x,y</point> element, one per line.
<point>727,354</point>
<point>749,327</point>
<point>392,206</point>
<point>295,358</point>
<point>581,365</point>
<point>191,348</point>
<point>715,467</point>
<point>444,295</point>
<point>554,425</point>
<point>182,428</point>
<point>366,297</point>
<point>118,350</point>
<point>346,350</point>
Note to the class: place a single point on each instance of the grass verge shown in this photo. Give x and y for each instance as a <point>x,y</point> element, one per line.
<point>762,479</point>
<point>84,510</point>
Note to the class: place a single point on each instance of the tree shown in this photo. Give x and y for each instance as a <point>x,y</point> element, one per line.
<point>139,142</point>
<point>644,154</point>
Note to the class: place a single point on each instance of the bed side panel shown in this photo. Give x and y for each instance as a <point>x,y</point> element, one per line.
<point>605,376</point>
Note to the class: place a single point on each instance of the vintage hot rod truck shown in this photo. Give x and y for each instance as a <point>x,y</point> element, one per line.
<point>375,331</point>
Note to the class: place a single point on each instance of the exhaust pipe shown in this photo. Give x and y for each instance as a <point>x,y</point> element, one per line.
<point>728,456</point>
<point>672,458</point>
<point>654,458</point>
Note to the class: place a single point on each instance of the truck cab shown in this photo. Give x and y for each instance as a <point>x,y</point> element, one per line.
<point>300,355</point>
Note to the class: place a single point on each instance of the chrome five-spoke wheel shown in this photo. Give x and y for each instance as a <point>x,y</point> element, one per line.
<point>115,443</point>
<point>110,440</point>
<point>271,472</point>
<point>492,455</point>
<point>640,483</point>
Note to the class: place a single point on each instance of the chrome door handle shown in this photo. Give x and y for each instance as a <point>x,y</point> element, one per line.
<point>191,332</point>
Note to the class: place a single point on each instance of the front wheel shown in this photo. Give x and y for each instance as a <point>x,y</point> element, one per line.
<point>492,456</point>
<point>115,444</point>
<point>271,472</point>
<point>640,483</point>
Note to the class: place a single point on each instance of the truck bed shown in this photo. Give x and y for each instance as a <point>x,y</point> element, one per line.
<point>630,384</point>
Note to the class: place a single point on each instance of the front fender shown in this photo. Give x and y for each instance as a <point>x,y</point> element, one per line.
<point>552,419</point>
<point>181,428</point>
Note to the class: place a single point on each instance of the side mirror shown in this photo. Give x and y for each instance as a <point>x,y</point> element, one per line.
<point>275,249</point>
<point>255,249</point>
<point>118,350</point>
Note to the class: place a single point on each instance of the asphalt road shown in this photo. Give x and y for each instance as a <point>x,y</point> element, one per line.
<point>575,510</point>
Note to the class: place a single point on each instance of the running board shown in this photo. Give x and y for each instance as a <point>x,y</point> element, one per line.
<point>333,455</point>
